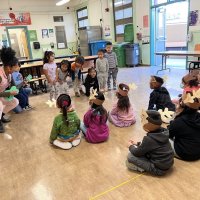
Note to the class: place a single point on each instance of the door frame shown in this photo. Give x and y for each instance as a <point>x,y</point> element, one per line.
<point>27,36</point>
<point>153,24</point>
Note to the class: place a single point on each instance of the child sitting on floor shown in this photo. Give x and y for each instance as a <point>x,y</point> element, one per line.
<point>76,68</point>
<point>94,125</point>
<point>91,81</point>
<point>160,97</point>
<point>24,90</point>
<point>122,114</point>
<point>154,154</point>
<point>63,75</point>
<point>65,132</point>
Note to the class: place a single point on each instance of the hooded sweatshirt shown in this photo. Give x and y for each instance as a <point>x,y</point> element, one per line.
<point>185,130</point>
<point>161,98</point>
<point>97,131</point>
<point>156,147</point>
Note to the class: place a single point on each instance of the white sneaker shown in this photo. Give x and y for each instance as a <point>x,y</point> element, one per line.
<point>62,145</point>
<point>76,142</point>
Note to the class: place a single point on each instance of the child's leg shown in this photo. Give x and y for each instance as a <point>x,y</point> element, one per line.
<point>143,164</point>
<point>27,90</point>
<point>100,81</point>
<point>9,105</point>
<point>1,109</point>
<point>52,92</point>
<point>22,99</point>
<point>80,88</point>
<point>105,78</point>
<point>75,86</point>
<point>83,128</point>
<point>65,87</point>
<point>109,77</point>
<point>87,91</point>
<point>114,76</point>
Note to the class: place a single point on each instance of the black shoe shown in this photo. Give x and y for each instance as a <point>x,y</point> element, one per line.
<point>2,130</point>
<point>4,120</point>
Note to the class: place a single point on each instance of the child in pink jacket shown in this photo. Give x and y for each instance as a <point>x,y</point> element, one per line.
<point>122,114</point>
<point>94,125</point>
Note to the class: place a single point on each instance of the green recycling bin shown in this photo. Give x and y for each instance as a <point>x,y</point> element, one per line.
<point>128,33</point>
<point>119,49</point>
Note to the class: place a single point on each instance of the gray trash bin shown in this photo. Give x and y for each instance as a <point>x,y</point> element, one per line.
<point>132,54</point>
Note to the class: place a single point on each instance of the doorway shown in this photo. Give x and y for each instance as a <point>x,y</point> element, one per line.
<point>168,20</point>
<point>19,41</point>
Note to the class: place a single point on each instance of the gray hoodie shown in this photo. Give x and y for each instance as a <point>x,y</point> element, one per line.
<point>156,147</point>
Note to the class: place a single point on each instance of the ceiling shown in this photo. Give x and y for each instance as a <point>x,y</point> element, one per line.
<point>38,5</point>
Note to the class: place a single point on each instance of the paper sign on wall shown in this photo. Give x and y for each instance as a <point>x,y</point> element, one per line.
<point>145,21</point>
<point>45,33</point>
<point>32,35</point>
<point>51,34</point>
<point>107,31</point>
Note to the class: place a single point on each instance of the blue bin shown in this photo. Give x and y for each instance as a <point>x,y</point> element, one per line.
<point>96,45</point>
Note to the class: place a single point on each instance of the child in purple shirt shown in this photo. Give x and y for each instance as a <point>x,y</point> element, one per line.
<point>94,125</point>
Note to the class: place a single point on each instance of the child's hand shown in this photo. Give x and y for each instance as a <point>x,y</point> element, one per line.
<point>13,93</point>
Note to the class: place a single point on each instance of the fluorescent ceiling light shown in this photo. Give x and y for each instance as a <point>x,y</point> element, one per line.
<point>60,3</point>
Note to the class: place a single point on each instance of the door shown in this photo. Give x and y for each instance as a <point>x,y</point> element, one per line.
<point>160,32</point>
<point>18,40</point>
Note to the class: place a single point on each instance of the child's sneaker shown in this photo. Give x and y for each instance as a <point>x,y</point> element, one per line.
<point>77,94</point>
<point>81,92</point>
<point>109,88</point>
<point>114,88</point>
<point>28,107</point>
<point>133,167</point>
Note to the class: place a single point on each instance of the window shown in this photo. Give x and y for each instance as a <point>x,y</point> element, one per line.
<point>123,14</point>
<point>61,37</point>
<point>82,16</point>
<point>58,18</point>
<point>158,2</point>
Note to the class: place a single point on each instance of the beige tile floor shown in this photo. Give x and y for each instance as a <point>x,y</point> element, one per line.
<point>30,169</point>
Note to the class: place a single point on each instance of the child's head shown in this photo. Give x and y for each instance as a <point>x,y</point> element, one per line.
<point>109,47</point>
<point>16,68</point>
<point>96,101</point>
<point>190,80</point>
<point>64,103</point>
<point>79,60</point>
<point>151,120</point>
<point>123,103</point>
<point>65,65</point>
<point>49,57</point>
<point>8,58</point>
<point>156,82</point>
<point>100,53</point>
<point>92,72</point>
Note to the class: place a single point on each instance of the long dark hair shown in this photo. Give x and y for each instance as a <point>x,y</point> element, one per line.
<point>7,56</point>
<point>66,62</point>
<point>47,55</point>
<point>64,102</point>
<point>99,109</point>
<point>123,101</point>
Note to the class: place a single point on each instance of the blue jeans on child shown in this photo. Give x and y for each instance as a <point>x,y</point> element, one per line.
<point>83,128</point>
<point>22,96</point>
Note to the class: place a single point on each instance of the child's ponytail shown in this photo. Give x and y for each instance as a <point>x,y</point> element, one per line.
<point>64,102</point>
<point>47,55</point>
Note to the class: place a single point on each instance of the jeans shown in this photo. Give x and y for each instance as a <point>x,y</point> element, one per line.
<point>83,128</point>
<point>18,109</point>
<point>27,90</point>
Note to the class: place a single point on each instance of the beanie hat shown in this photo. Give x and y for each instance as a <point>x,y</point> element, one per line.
<point>154,117</point>
<point>124,91</point>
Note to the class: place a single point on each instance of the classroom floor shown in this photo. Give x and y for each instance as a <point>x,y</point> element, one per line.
<point>31,169</point>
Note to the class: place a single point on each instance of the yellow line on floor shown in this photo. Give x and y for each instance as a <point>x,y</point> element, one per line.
<point>115,187</point>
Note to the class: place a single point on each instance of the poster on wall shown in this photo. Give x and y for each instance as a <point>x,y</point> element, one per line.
<point>107,31</point>
<point>32,35</point>
<point>51,34</point>
<point>13,19</point>
<point>45,33</point>
<point>145,21</point>
<point>194,18</point>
